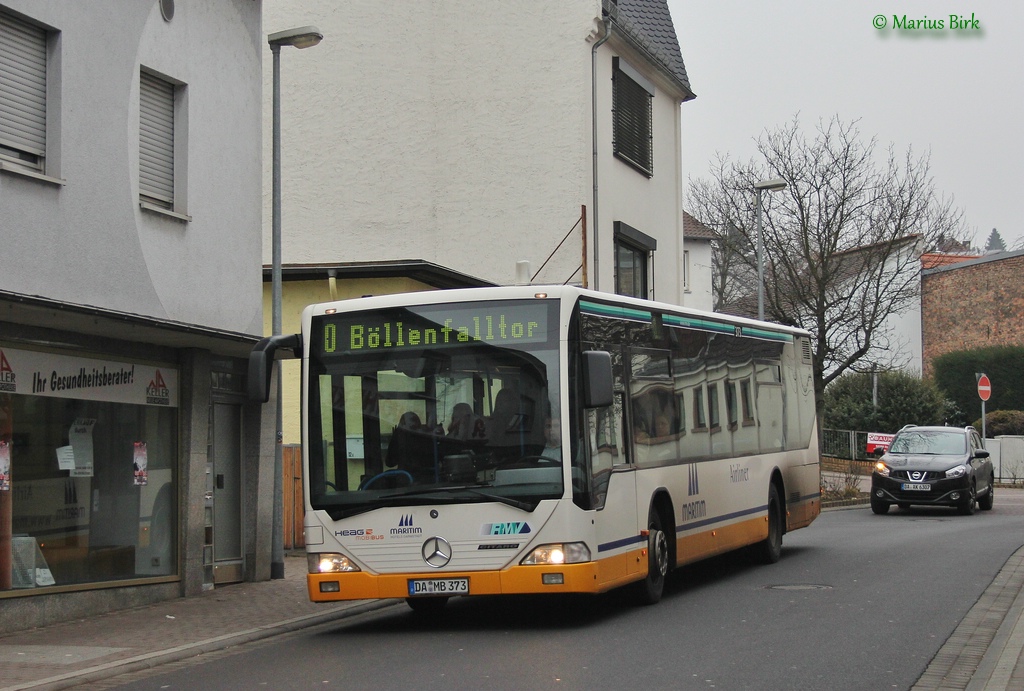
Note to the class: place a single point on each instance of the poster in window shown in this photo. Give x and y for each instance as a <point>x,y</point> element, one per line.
<point>80,437</point>
<point>5,467</point>
<point>140,463</point>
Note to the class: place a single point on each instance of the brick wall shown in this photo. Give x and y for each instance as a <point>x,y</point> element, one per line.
<point>971,305</point>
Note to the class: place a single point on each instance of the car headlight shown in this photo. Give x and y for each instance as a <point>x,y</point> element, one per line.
<point>558,553</point>
<point>882,469</point>
<point>958,471</point>
<point>330,562</point>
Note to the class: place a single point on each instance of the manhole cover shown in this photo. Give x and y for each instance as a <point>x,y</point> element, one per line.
<point>799,586</point>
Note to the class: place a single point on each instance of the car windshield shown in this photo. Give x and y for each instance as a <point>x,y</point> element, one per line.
<point>934,442</point>
<point>429,404</point>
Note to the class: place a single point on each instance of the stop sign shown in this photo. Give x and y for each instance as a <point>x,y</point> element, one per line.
<point>984,387</point>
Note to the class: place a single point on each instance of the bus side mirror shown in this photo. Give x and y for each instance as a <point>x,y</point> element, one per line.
<point>261,363</point>
<point>597,379</point>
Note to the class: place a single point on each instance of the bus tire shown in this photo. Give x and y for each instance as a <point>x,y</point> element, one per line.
<point>650,589</point>
<point>769,550</point>
<point>427,606</point>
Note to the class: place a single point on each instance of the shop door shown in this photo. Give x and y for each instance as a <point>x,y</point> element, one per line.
<point>227,493</point>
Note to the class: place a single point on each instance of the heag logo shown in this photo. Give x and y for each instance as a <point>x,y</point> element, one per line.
<point>157,391</point>
<point>359,534</point>
<point>7,378</point>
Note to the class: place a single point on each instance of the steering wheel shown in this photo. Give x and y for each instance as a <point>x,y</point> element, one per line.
<point>365,484</point>
<point>530,461</point>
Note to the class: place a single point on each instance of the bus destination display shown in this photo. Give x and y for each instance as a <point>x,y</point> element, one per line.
<point>494,323</point>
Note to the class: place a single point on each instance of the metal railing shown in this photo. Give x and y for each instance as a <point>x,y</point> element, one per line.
<point>842,443</point>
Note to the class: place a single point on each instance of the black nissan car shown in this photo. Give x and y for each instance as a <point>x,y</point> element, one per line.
<point>934,466</point>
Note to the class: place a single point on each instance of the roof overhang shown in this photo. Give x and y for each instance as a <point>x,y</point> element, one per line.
<point>59,318</point>
<point>425,272</point>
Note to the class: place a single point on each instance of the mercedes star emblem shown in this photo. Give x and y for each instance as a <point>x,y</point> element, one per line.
<point>436,552</point>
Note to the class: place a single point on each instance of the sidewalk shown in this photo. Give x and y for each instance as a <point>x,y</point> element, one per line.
<point>984,653</point>
<point>87,650</point>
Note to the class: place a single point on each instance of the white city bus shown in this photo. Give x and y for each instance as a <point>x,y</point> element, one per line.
<point>542,440</point>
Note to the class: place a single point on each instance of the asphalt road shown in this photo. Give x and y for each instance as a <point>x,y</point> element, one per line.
<point>858,601</point>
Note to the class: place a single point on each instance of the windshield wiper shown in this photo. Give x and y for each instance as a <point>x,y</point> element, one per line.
<point>525,506</point>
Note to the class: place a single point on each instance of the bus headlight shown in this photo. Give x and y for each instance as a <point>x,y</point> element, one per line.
<point>330,563</point>
<point>558,553</point>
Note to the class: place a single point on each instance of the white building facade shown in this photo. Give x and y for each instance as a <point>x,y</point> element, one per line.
<point>130,295</point>
<point>474,135</point>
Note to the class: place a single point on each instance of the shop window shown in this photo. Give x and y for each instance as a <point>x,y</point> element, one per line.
<point>92,481</point>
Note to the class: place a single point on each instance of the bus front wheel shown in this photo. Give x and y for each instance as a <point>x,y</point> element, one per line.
<point>426,606</point>
<point>650,590</point>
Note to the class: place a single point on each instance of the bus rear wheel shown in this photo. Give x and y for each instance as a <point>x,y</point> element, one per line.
<point>650,590</point>
<point>769,550</point>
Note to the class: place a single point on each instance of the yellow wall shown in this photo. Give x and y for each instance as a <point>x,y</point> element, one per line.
<point>295,295</point>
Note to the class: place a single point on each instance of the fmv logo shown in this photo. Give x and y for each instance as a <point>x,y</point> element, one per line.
<point>7,378</point>
<point>510,528</point>
<point>157,391</point>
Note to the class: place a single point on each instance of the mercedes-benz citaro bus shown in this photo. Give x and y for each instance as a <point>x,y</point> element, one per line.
<point>541,439</point>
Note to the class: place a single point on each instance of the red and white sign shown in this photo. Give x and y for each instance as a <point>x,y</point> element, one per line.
<point>984,387</point>
<point>876,440</point>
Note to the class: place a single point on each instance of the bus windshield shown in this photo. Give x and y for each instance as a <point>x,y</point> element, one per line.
<point>433,404</point>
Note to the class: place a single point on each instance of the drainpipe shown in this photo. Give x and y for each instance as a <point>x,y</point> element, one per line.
<point>332,283</point>
<point>607,24</point>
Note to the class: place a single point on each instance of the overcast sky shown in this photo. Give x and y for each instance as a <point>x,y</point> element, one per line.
<point>956,93</point>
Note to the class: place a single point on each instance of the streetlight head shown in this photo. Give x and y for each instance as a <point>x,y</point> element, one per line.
<point>773,185</point>
<point>302,37</point>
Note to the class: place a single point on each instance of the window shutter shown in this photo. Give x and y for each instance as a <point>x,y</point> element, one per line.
<point>156,141</point>
<point>22,88</point>
<point>632,117</point>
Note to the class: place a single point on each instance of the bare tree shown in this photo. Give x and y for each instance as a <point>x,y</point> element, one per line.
<point>841,243</point>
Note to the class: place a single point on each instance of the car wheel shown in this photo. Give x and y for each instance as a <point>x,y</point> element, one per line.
<point>970,501</point>
<point>880,507</point>
<point>985,503</point>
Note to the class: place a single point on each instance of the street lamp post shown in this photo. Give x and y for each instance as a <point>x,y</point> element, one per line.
<point>773,185</point>
<point>302,37</point>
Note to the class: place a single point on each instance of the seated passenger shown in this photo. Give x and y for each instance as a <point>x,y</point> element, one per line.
<point>411,447</point>
<point>464,424</point>
<point>552,439</point>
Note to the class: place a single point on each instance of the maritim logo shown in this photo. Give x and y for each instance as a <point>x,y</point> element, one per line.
<point>157,392</point>
<point>406,528</point>
<point>693,483</point>
<point>7,378</point>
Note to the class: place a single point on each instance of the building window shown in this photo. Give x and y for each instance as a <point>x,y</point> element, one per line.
<point>714,421</point>
<point>632,96</point>
<point>91,459</point>
<point>161,151</point>
<point>748,408</point>
<point>22,94</point>
<point>633,252</point>
<point>700,423</point>
<point>730,405</point>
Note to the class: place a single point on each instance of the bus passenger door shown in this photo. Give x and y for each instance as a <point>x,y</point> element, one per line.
<point>614,488</point>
